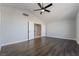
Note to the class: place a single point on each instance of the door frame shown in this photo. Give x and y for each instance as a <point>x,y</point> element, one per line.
<point>34,29</point>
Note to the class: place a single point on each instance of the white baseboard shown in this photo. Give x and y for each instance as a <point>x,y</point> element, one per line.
<point>13,42</point>
<point>26,40</point>
<point>62,38</point>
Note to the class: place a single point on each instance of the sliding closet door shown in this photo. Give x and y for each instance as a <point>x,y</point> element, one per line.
<point>31,30</point>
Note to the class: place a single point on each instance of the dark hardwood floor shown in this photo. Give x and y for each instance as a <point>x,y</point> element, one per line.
<point>44,46</point>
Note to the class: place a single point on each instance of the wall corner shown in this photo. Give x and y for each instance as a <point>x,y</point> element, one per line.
<point>77,42</point>
<point>0,48</point>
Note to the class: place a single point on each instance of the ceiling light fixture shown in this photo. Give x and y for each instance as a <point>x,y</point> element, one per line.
<point>43,8</point>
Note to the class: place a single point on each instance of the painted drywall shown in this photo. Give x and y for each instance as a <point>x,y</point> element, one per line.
<point>15,25</point>
<point>65,27</point>
<point>0,24</point>
<point>58,10</point>
<point>0,27</point>
<point>77,26</point>
<point>63,23</point>
<point>33,20</point>
<point>62,29</point>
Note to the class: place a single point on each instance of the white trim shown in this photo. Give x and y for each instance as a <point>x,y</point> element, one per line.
<point>12,42</point>
<point>77,42</point>
<point>0,48</point>
<point>62,38</point>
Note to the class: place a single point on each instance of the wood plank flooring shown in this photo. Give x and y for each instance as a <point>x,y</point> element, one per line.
<point>45,46</point>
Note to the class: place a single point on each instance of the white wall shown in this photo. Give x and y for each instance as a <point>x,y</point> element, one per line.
<point>77,26</point>
<point>62,29</point>
<point>33,20</point>
<point>14,25</point>
<point>0,27</point>
<point>65,27</point>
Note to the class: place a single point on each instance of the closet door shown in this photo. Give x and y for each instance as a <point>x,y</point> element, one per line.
<point>37,30</point>
<point>31,30</point>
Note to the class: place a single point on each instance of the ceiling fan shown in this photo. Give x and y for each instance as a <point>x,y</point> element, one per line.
<point>42,8</point>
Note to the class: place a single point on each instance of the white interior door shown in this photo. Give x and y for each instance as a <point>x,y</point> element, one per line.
<point>31,30</point>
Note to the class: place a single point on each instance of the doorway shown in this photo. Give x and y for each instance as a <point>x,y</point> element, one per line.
<point>37,30</point>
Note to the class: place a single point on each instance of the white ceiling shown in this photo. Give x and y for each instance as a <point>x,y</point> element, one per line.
<point>58,10</point>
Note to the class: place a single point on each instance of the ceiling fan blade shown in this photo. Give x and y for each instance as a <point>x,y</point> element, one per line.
<point>37,9</point>
<point>39,5</point>
<point>48,10</point>
<point>48,5</point>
